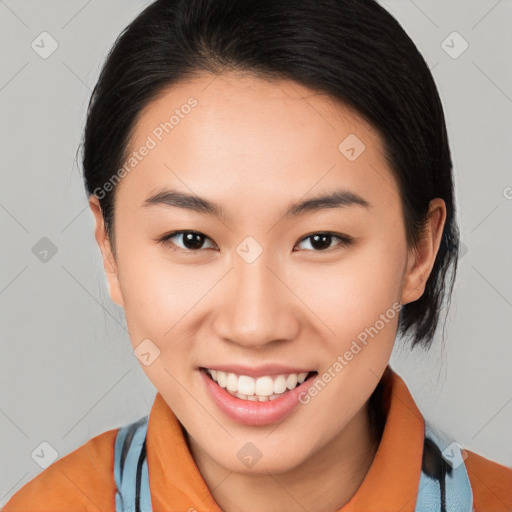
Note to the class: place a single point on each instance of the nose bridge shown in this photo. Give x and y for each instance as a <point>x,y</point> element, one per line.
<point>257,307</point>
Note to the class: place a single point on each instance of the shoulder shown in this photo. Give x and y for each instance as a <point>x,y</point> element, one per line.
<point>491,483</point>
<point>82,480</point>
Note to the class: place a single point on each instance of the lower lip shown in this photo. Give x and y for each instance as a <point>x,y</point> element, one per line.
<point>248,412</point>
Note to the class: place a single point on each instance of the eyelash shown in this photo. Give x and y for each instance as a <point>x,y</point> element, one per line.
<point>344,241</point>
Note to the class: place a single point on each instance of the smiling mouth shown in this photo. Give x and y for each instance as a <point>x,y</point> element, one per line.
<point>261,389</point>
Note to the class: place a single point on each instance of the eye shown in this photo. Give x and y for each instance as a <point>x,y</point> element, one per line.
<point>321,242</point>
<point>191,240</point>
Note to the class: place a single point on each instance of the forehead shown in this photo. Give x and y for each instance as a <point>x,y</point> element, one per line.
<point>241,138</point>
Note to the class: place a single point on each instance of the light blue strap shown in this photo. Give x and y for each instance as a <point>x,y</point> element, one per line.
<point>128,455</point>
<point>145,495</point>
<point>458,492</point>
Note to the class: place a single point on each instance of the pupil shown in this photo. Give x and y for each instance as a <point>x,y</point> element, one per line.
<point>319,240</point>
<point>193,240</point>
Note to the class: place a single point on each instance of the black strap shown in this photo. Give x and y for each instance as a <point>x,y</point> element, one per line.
<point>142,457</point>
<point>435,466</point>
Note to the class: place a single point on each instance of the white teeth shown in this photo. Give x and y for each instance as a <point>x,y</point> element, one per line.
<point>302,377</point>
<point>260,389</point>
<point>232,382</point>
<point>280,384</point>
<point>246,385</point>
<point>264,386</point>
<point>291,381</point>
<point>220,378</point>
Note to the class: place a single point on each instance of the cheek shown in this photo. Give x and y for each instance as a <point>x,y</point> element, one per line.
<point>351,294</point>
<point>156,293</point>
<point>158,296</point>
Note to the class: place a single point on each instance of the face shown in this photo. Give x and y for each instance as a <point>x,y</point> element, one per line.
<point>238,278</point>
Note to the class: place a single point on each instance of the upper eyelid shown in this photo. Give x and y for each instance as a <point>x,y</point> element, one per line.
<point>166,238</point>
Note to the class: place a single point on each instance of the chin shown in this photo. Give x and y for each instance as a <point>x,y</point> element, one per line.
<point>262,463</point>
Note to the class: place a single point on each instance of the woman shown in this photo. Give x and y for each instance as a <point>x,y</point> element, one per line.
<point>271,184</point>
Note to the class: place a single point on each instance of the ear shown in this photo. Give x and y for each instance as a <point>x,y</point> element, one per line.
<point>421,259</point>
<point>109,261</point>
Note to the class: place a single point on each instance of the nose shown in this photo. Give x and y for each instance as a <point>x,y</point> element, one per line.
<point>257,306</point>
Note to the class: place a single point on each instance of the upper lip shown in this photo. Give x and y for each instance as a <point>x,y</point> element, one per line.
<point>258,371</point>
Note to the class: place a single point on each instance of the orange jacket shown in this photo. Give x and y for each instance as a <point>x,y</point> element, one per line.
<point>83,480</point>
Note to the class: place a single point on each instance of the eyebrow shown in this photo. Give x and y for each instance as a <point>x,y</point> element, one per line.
<point>177,199</point>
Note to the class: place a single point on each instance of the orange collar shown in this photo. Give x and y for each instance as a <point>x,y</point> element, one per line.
<point>390,484</point>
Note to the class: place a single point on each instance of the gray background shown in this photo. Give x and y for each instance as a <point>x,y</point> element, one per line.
<point>67,370</point>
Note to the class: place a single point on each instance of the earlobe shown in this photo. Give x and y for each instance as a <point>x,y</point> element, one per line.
<point>421,259</point>
<point>109,262</point>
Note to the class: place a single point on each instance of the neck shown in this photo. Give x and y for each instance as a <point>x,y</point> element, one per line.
<point>324,482</point>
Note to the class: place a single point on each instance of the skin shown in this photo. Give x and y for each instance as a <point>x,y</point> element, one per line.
<point>255,148</point>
